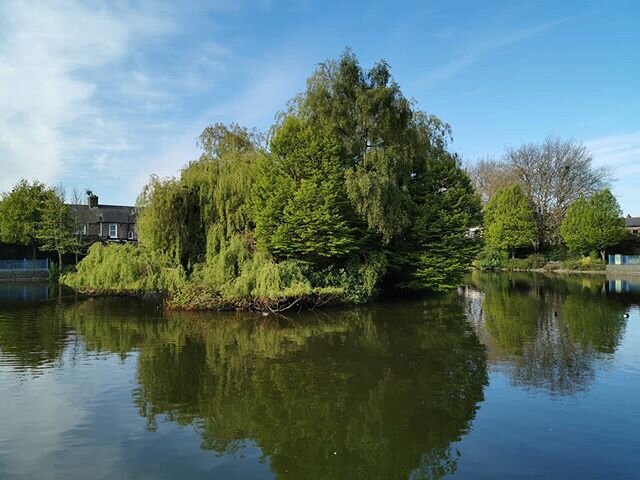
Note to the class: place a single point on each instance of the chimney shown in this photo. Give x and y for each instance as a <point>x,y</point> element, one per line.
<point>92,199</point>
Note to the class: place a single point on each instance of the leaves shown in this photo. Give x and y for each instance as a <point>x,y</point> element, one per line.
<point>593,224</point>
<point>509,221</point>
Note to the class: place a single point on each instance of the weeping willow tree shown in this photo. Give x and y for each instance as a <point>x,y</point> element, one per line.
<point>354,190</point>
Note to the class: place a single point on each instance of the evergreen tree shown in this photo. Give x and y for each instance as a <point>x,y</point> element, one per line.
<point>301,205</point>
<point>594,224</point>
<point>441,243</point>
<point>509,221</point>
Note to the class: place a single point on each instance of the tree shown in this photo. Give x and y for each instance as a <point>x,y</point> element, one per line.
<point>21,213</point>
<point>353,180</point>
<point>488,176</point>
<point>56,229</point>
<point>509,221</point>
<point>592,224</point>
<point>441,245</point>
<point>553,175</point>
<point>301,206</point>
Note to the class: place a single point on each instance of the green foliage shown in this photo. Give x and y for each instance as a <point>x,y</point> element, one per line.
<point>440,245</point>
<point>491,259</point>
<point>56,230</point>
<point>354,184</point>
<point>21,212</point>
<point>509,221</point>
<point>188,218</point>
<point>301,205</point>
<point>385,143</point>
<point>531,262</point>
<point>593,224</point>
<point>586,263</point>
<point>119,269</point>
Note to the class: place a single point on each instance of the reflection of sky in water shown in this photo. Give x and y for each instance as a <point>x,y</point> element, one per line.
<point>561,401</point>
<point>78,421</point>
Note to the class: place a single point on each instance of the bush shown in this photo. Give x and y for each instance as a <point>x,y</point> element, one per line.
<point>124,269</point>
<point>491,259</point>
<point>592,262</point>
<point>532,262</point>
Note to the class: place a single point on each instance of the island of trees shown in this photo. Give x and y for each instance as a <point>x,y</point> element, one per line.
<point>353,192</point>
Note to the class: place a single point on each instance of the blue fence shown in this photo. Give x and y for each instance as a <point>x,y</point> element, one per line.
<point>624,259</point>
<point>39,264</point>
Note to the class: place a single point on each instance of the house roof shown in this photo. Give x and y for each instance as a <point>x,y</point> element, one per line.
<point>632,222</point>
<point>104,213</point>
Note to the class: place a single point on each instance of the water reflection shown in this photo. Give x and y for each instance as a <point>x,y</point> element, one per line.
<point>548,331</point>
<point>386,391</point>
<point>371,393</point>
<point>26,291</point>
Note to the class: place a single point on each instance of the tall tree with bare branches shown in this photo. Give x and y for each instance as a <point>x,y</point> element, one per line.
<point>553,174</point>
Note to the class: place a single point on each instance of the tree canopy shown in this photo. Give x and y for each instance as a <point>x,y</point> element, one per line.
<point>552,174</point>
<point>593,224</point>
<point>509,221</point>
<point>354,189</point>
<point>21,212</point>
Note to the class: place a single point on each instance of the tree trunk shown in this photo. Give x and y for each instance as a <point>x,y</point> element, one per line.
<point>602,254</point>
<point>59,262</point>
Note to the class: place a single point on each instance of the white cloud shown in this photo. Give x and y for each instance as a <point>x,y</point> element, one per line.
<point>53,56</point>
<point>475,51</point>
<point>622,153</point>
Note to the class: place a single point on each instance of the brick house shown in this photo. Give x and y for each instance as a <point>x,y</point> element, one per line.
<point>97,222</point>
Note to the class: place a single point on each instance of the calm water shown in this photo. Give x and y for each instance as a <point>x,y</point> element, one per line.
<point>512,376</point>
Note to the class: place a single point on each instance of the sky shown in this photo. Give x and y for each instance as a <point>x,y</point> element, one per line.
<point>101,94</point>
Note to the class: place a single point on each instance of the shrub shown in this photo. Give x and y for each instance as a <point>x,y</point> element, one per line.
<point>121,269</point>
<point>491,259</point>
<point>592,262</point>
<point>532,262</point>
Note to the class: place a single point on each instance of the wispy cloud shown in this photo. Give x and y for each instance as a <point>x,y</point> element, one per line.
<point>79,96</point>
<point>622,153</point>
<point>53,57</point>
<point>479,49</point>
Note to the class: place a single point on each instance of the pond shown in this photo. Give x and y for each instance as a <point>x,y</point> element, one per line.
<point>514,375</point>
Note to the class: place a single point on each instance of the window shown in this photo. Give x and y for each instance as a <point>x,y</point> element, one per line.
<point>636,231</point>
<point>113,230</point>
<point>130,234</point>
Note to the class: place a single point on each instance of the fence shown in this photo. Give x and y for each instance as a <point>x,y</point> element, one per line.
<point>22,265</point>
<point>624,260</point>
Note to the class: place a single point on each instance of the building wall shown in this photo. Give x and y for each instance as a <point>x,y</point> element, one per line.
<point>93,230</point>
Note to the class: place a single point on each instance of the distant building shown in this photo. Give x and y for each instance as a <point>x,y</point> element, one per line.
<point>96,222</point>
<point>633,225</point>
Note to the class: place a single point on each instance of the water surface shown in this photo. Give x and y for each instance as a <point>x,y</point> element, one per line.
<point>517,375</point>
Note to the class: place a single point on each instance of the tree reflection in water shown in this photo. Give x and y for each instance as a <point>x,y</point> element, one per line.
<point>368,393</point>
<point>548,331</point>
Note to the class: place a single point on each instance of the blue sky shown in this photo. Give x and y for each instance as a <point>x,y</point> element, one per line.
<point>100,95</point>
